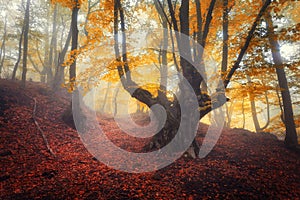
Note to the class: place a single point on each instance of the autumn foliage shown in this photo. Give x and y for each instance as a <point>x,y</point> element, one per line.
<point>243,165</point>
<point>253,45</point>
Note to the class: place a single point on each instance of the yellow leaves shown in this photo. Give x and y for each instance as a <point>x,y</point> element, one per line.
<point>108,5</point>
<point>70,86</point>
<point>143,66</point>
<point>72,57</point>
<point>148,58</point>
<point>276,10</point>
<point>99,23</point>
<point>152,88</point>
<point>100,17</point>
<point>293,12</point>
<point>68,3</point>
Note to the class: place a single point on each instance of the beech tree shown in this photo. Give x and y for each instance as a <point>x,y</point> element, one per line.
<point>2,49</point>
<point>74,5</point>
<point>291,134</point>
<point>19,55</point>
<point>173,107</point>
<point>251,93</point>
<point>25,46</point>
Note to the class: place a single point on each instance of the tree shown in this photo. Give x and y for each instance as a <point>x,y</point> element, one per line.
<point>291,134</point>
<point>52,59</point>
<point>59,72</point>
<point>2,49</point>
<point>25,45</point>
<point>173,107</point>
<point>74,5</point>
<point>163,51</point>
<point>19,55</point>
<point>105,97</point>
<point>225,36</point>
<point>74,48</point>
<point>257,126</point>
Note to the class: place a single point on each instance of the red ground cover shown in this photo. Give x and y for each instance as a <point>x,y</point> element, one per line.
<point>243,165</point>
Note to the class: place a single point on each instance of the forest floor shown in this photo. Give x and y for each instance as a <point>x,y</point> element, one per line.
<point>243,164</point>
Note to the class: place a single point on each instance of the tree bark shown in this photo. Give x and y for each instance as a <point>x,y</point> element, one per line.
<point>53,45</point>
<point>199,23</point>
<point>36,68</point>
<point>46,51</point>
<point>280,104</point>
<point>163,51</point>
<point>225,37</point>
<point>59,72</point>
<point>207,23</point>
<point>2,50</point>
<point>257,126</point>
<point>229,111</point>
<point>105,97</point>
<point>74,47</point>
<point>19,55</point>
<point>115,111</point>
<point>268,112</point>
<point>178,123</point>
<point>173,109</point>
<point>253,107</point>
<point>43,71</point>
<point>68,115</point>
<point>243,111</point>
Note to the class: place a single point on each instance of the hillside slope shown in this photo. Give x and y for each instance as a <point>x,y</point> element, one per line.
<point>243,165</point>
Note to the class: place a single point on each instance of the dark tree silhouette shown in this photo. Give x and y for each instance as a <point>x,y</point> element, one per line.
<point>173,108</point>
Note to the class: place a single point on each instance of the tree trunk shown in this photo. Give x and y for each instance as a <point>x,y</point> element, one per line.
<point>43,71</point>
<point>291,134</point>
<point>243,111</point>
<point>280,104</point>
<point>183,113</point>
<point>207,23</point>
<point>225,37</point>
<point>36,68</point>
<point>257,126</point>
<point>59,72</point>
<point>25,50</point>
<point>253,107</point>
<point>19,55</point>
<point>115,111</point>
<point>2,50</point>
<point>229,111</point>
<point>68,115</point>
<point>105,97</point>
<point>72,70</point>
<point>178,124</point>
<point>163,51</point>
<point>199,25</point>
<point>164,60</point>
<point>268,112</point>
<point>53,45</point>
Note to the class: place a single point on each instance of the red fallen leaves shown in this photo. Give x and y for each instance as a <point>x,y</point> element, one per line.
<point>243,165</point>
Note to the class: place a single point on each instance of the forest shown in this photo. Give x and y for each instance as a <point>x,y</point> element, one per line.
<point>149,99</point>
